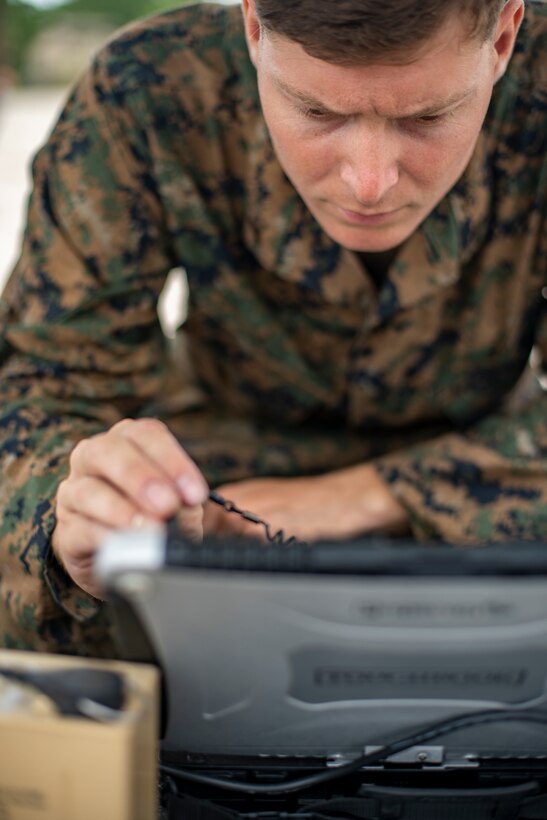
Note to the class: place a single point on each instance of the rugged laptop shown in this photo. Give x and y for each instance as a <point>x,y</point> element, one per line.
<point>381,678</point>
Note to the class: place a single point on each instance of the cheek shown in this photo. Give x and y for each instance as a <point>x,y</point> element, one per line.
<point>438,161</point>
<point>428,165</point>
<point>303,160</point>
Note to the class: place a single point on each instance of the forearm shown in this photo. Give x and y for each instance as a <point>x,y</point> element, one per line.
<point>487,484</point>
<point>336,505</point>
<point>40,608</point>
<point>369,504</point>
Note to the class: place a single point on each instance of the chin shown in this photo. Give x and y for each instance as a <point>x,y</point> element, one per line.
<point>368,238</point>
<point>363,241</point>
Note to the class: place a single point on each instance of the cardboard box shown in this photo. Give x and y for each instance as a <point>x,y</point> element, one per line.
<point>56,767</point>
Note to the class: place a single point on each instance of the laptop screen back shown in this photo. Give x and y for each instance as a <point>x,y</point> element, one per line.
<point>339,652</point>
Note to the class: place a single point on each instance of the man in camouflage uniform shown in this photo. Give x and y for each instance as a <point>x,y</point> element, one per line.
<point>357,194</point>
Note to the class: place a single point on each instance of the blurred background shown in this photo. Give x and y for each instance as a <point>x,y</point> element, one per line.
<point>44,45</point>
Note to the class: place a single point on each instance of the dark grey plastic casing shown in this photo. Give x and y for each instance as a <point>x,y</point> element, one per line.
<point>279,664</point>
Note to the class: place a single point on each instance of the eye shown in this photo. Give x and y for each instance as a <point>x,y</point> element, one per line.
<point>317,114</point>
<point>431,119</point>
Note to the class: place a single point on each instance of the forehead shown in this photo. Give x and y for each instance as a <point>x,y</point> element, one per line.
<point>388,36</point>
<point>444,67</point>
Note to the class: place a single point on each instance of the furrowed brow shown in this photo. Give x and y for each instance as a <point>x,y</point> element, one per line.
<point>431,109</point>
<point>441,105</point>
<point>302,97</point>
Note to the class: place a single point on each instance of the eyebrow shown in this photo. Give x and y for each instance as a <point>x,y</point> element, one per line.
<point>312,102</point>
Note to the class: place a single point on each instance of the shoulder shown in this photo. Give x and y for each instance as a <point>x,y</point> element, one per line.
<point>517,116</point>
<point>528,66</point>
<point>196,47</point>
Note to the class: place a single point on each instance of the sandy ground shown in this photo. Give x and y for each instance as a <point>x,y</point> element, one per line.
<point>26,116</point>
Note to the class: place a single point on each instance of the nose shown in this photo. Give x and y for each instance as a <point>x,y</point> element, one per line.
<point>370,164</point>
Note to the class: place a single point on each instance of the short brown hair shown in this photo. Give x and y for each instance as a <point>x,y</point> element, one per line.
<point>349,32</point>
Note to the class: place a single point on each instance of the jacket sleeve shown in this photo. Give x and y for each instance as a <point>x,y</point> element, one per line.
<point>488,483</point>
<point>80,348</point>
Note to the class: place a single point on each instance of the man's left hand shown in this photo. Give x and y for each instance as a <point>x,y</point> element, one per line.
<point>338,505</point>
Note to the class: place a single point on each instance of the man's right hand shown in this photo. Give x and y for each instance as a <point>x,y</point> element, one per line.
<point>133,475</point>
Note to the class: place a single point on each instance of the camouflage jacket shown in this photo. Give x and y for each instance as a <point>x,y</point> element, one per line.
<point>291,360</point>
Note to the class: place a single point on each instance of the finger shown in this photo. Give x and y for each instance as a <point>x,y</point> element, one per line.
<point>214,519</point>
<point>161,447</point>
<point>116,459</point>
<point>75,544</point>
<point>96,500</point>
<point>190,522</point>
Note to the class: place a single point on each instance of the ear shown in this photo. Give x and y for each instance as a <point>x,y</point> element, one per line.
<point>252,29</point>
<point>505,35</point>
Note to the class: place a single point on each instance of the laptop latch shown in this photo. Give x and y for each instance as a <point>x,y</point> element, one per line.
<point>416,755</point>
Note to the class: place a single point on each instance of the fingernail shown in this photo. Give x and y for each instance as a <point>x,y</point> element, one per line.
<point>193,491</point>
<point>161,496</point>
<point>142,522</point>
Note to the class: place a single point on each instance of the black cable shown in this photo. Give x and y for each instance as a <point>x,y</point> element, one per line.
<point>419,738</point>
<point>278,537</point>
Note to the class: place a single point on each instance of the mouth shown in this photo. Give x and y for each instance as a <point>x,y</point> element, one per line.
<point>359,218</point>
